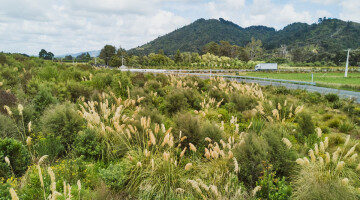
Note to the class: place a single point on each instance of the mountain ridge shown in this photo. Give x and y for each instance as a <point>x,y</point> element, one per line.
<point>329,34</point>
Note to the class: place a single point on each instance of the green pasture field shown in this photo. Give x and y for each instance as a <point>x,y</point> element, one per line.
<point>330,79</point>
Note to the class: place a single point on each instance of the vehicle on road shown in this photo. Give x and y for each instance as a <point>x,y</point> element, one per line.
<point>266,66</point>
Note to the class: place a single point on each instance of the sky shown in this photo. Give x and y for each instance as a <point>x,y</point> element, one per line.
<point>72,26</point>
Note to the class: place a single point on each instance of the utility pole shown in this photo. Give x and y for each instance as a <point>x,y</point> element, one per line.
<point>347,63</point>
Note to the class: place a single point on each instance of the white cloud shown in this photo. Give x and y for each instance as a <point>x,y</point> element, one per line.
<point>68,26</point>
<point>73,26</point>
<point>350,10</point>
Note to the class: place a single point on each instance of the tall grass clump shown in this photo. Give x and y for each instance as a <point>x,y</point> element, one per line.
<point>325,175</point>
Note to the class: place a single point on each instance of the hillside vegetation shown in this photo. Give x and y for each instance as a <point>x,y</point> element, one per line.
<point>80,132</point>
<point>329,34</point>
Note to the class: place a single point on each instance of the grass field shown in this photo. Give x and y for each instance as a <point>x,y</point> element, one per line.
<point>333,79</point>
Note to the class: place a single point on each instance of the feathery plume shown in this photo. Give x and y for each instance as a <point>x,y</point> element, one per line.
<point>319,132</point>
<point>29,127</point>
<point>28,141</point>
<point>312,155</point>
<point>188,166</point>
<point>7,160</point>
<point>207,139</point>
<point>255,190</point>
<point>345,181</point>
<point>230,154</point>
<point>236,165</point>
<point>327,158</point>
<point>194,185</point>
<point>192,147</point>
<point>42,159</point>
<point>53,182</point>
<point>347,140</point>
<point>20,109</point>
<point>152,164</point>
<point>306,161</point>
<point>13,194</point>
<point>138,164</point>
<point>322,147</point>
<point>300,161</point>
<point>340,166</point>
<point>183,152</point>
<point>326,142</point>
<point>152,138</point>
<point>166,156</point>
<point>287,142</point>
<point>179,191</point>
<point>351,151</point>
<point>214,190</point>
<point>8,110</point>
<point>336,155</point>
<point>316,149</point>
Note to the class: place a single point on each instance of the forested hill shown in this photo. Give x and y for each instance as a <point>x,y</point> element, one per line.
<point>329,34</point>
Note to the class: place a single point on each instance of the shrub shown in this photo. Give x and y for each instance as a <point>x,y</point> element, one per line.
<point>242,102</point>
<point>18,156</point>
<point>42,99</point>
<point>77,90</point>
<point>103,80</point>
<point>7,127</point>
<point>332,97</point>
<point>271,187</point>
<point>115,175</point>
<point>62,120</point>
<point>346,127</point>
<point>306,124</point>
<point>6,99</point>
<point>120,84</point>
<point>218,95</point>
<point>175,101</point>
<point>50,145</point>
<point>210,130</point>
<point>88,144</point>
<point>250,156</point>
<point>281,158</point>
<point>189,125</point>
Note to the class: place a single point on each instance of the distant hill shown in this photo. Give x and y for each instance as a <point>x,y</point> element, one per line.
<point>330,34</point>
<point>92,54</point>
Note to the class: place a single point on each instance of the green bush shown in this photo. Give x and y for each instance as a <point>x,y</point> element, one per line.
<point>346,127</point>
<point>89,145</point>
<point>115,175</point>
<point>175,101</point>
<point>271,187</point>
<point>6,99</point>
<point>189,125</point>
<point>7,128</point>
<point>18,156</point>
<point>76,90</point>
<point>306,124</point>
<point>210,130</point>
<point>250,156</point>
<point>280,157</point>
<point>50,145</point>
<point>120,83</point>
<point>62,120</point>
<point>43,99</point>
<point>332,97</point>
<point>102,80</point>
<point>242,102</point>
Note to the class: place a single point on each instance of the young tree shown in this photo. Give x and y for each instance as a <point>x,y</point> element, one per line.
<point>254,48</point>
<point>177,57</point>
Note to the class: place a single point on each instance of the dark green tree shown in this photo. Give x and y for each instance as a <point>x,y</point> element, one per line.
<point>177,57</point>
<point>107,52</point>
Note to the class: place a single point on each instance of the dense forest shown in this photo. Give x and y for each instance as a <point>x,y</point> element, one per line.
<point>330,35</point>
<point>74,131</point>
